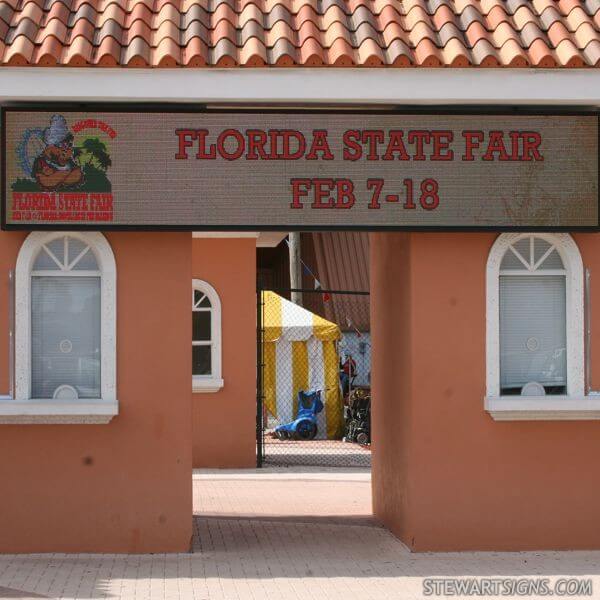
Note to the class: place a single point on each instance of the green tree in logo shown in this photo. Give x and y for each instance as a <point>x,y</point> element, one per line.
<point>94,160</point>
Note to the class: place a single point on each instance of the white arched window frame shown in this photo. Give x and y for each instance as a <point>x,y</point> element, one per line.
<point>572,405</point>
<point>63,409</point>
<point>206,299</point>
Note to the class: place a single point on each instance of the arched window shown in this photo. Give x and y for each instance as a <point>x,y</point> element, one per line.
<point>206,338</point>
<point>65,336</point>
<point>534,320</point>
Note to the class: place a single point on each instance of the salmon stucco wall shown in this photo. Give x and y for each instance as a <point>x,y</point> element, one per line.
<point>446,476</point>
<point>124,486</point>
<point>224,422</point>
<point>390,445</point>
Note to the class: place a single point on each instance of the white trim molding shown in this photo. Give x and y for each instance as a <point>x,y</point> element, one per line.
<point>573,405</point>
<point>264,239</point>
<point>205,385</point>
<point>213,382</point>
<point>60,411</point>
<point>572,87</point>
<point>543,408</point>
<point>35,412</point>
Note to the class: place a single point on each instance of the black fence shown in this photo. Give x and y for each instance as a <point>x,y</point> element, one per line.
<point>314,376</point>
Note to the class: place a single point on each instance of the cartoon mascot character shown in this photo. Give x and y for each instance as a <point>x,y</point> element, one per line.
<point>56,167</point>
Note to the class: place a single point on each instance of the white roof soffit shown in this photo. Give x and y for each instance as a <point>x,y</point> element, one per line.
<point>299,86</point>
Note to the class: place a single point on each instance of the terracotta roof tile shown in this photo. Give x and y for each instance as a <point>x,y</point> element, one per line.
<point>475,33</point>
<point>568,54</point>
<point>340,54</point>
<point>195,29</point>
<point>584,34</point>
<point>523,15</point>
<point>20,52</point>
<point>484,54</point>
<point>469,15</point>
<point>195,54</point>
<point>592,6</point>
<point>549,16</point>
<point>503,33</point>
<point>399,54</point>
<point>390,15</point>
<point>512,54</point>
<point>48,53</point>
<point>167,53</point>
<point>79,52</point>
<point>31,11</point>
<point>281,14</point>
<point>540,55</point>
<point>427,54</point>
<point>6,13</point>
<point>530,33</point>
<point>311,54</point>
<point>254,33</point>
<point>591,53</point>
<point>392,33</point>
<point>26,28</point>
<point>557,32</point>
<point>282,54</point>
<point>455,54</point>
<point>54,28</point>
<point>496,17</point>
<point>108,53</point>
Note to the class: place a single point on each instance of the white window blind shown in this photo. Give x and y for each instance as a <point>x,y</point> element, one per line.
<point>533,329</point>
<point>65,320</point>
<point>65,328</point>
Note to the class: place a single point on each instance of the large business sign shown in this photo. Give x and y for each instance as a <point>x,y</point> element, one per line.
<point>239,170</point>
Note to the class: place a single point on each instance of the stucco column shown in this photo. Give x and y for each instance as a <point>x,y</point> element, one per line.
<point>391,333</point>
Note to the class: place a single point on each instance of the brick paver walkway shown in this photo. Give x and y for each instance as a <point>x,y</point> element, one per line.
<point>247,545</point>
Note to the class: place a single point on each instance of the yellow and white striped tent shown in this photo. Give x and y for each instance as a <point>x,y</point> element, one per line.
<point>300,353</point>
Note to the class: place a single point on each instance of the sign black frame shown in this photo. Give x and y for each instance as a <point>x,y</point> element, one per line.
<point>433,110</point>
